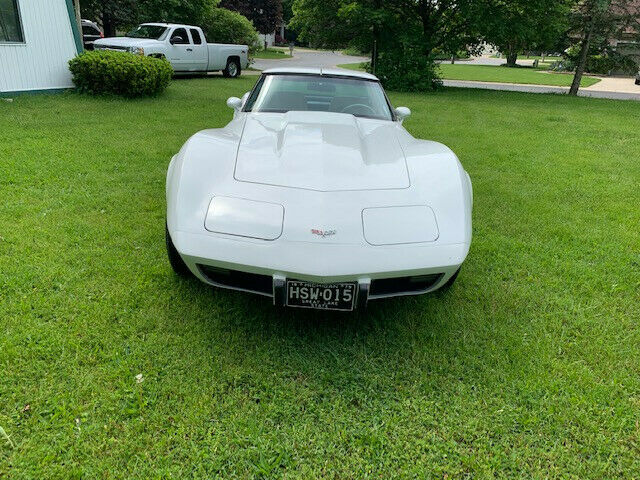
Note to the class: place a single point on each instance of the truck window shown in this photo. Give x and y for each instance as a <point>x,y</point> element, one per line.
<point>195,35</point>
<point>156,32</point>
<point>180,32</point>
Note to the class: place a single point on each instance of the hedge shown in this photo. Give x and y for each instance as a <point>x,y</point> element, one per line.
<point>120,73</point>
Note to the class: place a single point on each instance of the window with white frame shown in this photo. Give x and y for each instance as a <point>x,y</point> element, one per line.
<point>10,26</point>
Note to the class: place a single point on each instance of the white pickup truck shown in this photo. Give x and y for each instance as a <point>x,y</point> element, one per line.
<point>184,46</point>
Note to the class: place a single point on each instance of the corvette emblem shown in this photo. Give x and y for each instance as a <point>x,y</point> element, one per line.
<point>323,233</point>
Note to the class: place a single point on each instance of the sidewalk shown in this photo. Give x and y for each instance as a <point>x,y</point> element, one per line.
<point>616,84</point>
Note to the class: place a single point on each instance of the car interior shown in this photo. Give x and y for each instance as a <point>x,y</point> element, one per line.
<point>360,98</point>
<point>286,101</point>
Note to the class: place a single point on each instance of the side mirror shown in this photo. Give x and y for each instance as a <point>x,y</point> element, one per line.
<point>402,113</point>
<point>245,97</point>
<point>176,39</point>
<point>235,103</point>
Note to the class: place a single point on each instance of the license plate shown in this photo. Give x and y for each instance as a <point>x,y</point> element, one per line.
<point>329,296</point>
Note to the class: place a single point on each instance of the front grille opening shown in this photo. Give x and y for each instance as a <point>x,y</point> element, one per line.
<point>234,279</point>
<point>390,286</point>
<point>110,47</point>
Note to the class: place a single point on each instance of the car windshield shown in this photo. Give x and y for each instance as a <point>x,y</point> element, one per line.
<point>155,32</point>
<point>319,93</point>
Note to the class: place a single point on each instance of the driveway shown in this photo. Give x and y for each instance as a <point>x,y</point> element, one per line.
<point>303,57</point>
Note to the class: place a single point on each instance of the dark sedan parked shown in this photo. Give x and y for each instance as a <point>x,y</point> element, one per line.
<point>90,33</point>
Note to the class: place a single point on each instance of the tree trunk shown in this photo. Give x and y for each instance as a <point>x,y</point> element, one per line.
<point>76,5</point>
<point>453,59</point>
<point>107,25</point>
<point>582,61</point>
<point>374,56</point>
<point>512,56</point>
<point>375,39</point>
<point>427,32</point>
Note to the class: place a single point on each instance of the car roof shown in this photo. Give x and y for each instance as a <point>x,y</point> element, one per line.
<point>320,71</point>
<point>154,24</point>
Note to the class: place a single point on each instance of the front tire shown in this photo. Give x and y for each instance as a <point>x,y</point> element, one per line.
<point>232,70</point>
<point>178,265</point>
<point>451,281</point>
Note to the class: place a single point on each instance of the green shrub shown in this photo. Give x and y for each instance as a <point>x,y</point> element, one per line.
<point>224,26</point>
<point>612,62</point>
<point>606,62</point>
<point>405,68</point>
<point>442,56</point>
<point>354,52</point>
<point>120,73</point>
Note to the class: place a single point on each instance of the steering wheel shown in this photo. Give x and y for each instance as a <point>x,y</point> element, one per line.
<point>358,105</point>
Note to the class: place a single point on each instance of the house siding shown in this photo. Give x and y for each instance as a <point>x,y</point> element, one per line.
<point>40,63</point>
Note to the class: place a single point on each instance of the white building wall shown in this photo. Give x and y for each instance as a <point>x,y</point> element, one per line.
<point>270,38</point>
<point>41,62</point>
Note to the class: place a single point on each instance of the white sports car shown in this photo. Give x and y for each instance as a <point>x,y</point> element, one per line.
<point>316,196</point>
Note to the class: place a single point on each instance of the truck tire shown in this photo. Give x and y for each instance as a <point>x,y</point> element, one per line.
<point>232,70</point>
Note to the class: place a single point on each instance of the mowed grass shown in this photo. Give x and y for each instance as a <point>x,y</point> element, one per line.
<point>529,367</point>
<point>501,74</point>
<point>272,53</point>
<point>526,75</point>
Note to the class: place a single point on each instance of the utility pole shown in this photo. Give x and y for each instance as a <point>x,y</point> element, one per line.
<point>76,4</point>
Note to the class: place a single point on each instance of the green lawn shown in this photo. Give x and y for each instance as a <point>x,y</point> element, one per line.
<point>490,73</point>
<point>353,52</point>
<point>528,368</point>
<point>272,53</point>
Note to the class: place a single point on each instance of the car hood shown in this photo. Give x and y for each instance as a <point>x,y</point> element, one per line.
<point>321,151</point>
<point>126,42</point>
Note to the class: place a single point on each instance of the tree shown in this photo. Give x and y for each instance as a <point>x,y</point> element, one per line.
<point>600,19</point>
<point>112,13</point>
<point>515,26</point>
<point>446,24</point>
<point>173,11</point>
<point>287,11</point>
<point>116,14</point>
<point>405,33</point>
<point>319,23</point>
<point>224,26</point>
<point>266,15</point>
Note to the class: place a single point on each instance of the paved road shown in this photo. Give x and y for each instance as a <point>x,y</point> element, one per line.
<point>308,58</point>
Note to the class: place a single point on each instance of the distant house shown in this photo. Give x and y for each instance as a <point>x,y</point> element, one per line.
<point>37,39</point>
<point>277,37</point>
<point>627,42</point>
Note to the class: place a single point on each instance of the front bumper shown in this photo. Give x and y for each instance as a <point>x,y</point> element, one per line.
<point>271,263</point>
